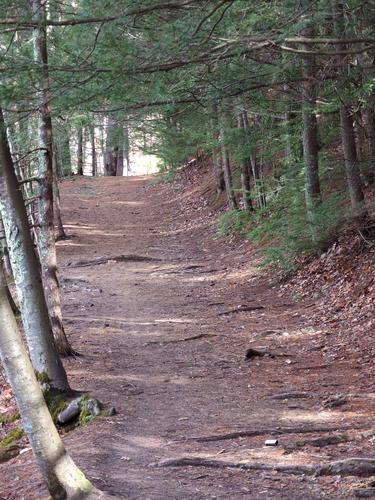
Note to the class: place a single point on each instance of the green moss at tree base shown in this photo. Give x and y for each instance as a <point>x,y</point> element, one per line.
<point>56,402</point>
<point>11,437</point>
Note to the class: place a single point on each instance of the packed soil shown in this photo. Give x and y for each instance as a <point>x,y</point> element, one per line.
<point>165,316</point>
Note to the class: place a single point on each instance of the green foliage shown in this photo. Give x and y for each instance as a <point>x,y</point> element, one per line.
<point>234,221</point>
<point>85,415</point>
<point>285,231</point>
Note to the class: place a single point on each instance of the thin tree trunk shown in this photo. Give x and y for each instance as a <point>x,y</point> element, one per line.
<point>80,151</point>
<point>111,152</point>
<point>25,266</point>
<point>120,150</point>
<point>353,174</point>
<point>254,167</point>
<point>63,478</point>
<point>232,202</point>
<point>66,158</point>
<point>126,149</point>
<point>94,161</point>
<point>46,233</point>
<point>245,177</point>
<point>216,151</point>
<point>310,139</point>
<point>61,235</point>
<point>368,115</point>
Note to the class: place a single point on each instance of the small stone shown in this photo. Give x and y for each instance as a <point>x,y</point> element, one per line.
<point>70,413</point>
<point>112,411</point>
<point>93,407</point>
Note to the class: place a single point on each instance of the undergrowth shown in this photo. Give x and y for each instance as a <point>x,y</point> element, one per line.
<point>283,229</point>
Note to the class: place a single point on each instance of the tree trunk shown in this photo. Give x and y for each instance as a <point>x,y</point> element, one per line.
<point>94,161</point>
<point>80,151</point>
<point>232,202</point>
<point>111,152</point>
<point>25,266</point>
<point>353,174</point>
<point>253,165</point>
<point>61,235</point>
<point>245,176</point>
<point>63,478</point>
<point>126,149</point>
<point>310,138</point>
<point>368,115</point>
<point>216,152</point>
<point>46,233</point>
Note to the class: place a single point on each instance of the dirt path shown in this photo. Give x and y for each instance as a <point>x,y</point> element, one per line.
<point>161,345</point>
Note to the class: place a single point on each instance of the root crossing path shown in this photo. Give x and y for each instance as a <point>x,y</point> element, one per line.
<point>164,315</point>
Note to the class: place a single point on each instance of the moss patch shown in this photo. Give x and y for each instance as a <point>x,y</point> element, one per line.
<point>12,436</point>
<point>56,403</point>
<point>42,377</point>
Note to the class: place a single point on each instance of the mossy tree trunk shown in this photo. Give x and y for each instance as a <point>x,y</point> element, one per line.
<point>26,270</point>
<point>64,479</point>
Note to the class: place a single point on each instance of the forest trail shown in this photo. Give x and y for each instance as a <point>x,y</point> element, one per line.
<point>160,343</point>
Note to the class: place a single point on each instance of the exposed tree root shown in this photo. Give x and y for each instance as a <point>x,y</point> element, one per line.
<point>118,258</point>
<point>291,395</point>
<point>349,467</point>
<point>323,441</point>
<point>241,309</point>
<point>261,352</point>
<point>186,339</point>
<point>260,432</point>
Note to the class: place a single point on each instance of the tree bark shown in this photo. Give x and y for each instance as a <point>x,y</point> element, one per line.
<point>245,174</point>
<point>232,202</point>
<point>80,151</point>
<point>61,235</point>
<point>46,233</point>
<point>254,167</point>
<point>94,160</point>
<point>353,174</point>
<point>216,152</point>
<point>310,138</point>
<point>111,152</point>
<point>126,149</point>
<point>25,266</point>
<point>63,478</point>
